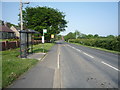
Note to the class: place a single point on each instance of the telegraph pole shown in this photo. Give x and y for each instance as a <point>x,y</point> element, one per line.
<point>22,36</point>
<point>21,18</point>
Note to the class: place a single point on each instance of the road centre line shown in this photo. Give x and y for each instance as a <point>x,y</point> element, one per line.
<point>58,60</point>
<point>110,66</point>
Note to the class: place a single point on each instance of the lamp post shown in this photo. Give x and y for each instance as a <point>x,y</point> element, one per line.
<point>23,37</point>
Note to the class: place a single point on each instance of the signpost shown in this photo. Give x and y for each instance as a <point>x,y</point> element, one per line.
<point>52,35</point>
<point>44,30</point>
<point>52,38</point>
<point>43,38</point>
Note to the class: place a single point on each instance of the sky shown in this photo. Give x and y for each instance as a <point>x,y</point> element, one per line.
<point>87,17</point>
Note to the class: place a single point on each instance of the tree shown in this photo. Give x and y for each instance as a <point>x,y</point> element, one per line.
<point>96,36</point>
<point>110,36</point>
<point>39,18</point>
<point>59,37</point>
<point>10,24</point>
<point>90,36</point>
<point>77,34</point>
<point>1,22</point>
<point>69,36</point>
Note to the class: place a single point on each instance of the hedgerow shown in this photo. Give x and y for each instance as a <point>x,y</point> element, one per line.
<point>107,43</point>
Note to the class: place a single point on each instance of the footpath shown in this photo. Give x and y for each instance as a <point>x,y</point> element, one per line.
<point>42,75</point>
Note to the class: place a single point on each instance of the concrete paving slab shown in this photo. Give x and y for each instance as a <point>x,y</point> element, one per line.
<point>37,56</point>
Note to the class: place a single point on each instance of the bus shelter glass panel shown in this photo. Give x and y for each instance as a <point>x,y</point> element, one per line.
<point>23,45</point>
<point>30,46</point>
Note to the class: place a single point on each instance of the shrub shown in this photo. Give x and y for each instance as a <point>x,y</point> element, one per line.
<point>107,43</point>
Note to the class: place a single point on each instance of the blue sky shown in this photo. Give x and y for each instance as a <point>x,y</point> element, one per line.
<point>87,17</point>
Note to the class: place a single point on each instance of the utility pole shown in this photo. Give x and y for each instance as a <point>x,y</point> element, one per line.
<point>22,36</point>
<point>21,19</point>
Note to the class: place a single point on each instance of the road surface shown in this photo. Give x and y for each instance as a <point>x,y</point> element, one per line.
<point>72,66</point>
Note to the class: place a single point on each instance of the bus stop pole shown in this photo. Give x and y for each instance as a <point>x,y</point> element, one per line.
<point>43,41</point>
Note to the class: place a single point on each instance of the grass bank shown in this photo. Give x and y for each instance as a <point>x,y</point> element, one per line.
<point>13,67</point>
<point>39,47</point>
<point>9,40</point>
<point>111,51</point>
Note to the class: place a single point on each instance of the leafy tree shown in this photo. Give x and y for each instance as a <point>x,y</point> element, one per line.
<point>110,36</point>
<point>39,18</point>
<point>59,37</point>
<point>96,36</point>
<point>1,22</point>
<point>10,24</point>
<point>69,36</point>
<point>90,36</point>
<point>77,34</point>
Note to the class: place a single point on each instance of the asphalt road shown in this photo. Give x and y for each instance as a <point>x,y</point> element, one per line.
<point>72,66</point>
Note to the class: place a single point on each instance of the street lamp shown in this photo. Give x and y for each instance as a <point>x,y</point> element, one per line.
<point>23,35</point>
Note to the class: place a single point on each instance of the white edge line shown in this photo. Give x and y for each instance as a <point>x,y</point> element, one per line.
<point>110,66</point>
<point>81,51</point>
<point>93,57</point>
<point>88,55</point>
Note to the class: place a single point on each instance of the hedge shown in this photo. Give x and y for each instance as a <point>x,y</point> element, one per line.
<point>107,43</point>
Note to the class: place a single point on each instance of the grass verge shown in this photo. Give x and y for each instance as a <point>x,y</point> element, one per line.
<point>9,40</point>
<point>39,47</point>
<point>13,67</point>
<point>111,51</point>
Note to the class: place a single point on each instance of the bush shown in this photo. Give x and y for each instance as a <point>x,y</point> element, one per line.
<point>37,38</point>
<point>107,43</point>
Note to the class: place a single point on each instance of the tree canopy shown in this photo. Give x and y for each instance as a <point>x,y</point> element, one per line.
<point>39,18</point>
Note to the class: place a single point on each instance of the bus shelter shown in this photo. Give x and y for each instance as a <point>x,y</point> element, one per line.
<point>26,44</point>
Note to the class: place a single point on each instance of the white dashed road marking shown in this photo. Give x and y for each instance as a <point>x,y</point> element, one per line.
<point>88,55</point>
<point>93,57</point>
<point>58,61</point>
<point>110,66</point>
<point>81,51</point>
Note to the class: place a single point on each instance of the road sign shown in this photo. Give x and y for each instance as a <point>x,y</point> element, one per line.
<point>44,30</point>
<point>42,39</point>
<point>52,35</point>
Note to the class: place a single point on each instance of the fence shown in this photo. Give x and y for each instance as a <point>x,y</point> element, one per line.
<point>5,45</point>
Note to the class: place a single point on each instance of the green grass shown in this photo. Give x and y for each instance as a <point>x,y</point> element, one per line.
<point>9,39</point>
<point>111,51</point>
<point>39,47</point>
<point>13,67</point>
